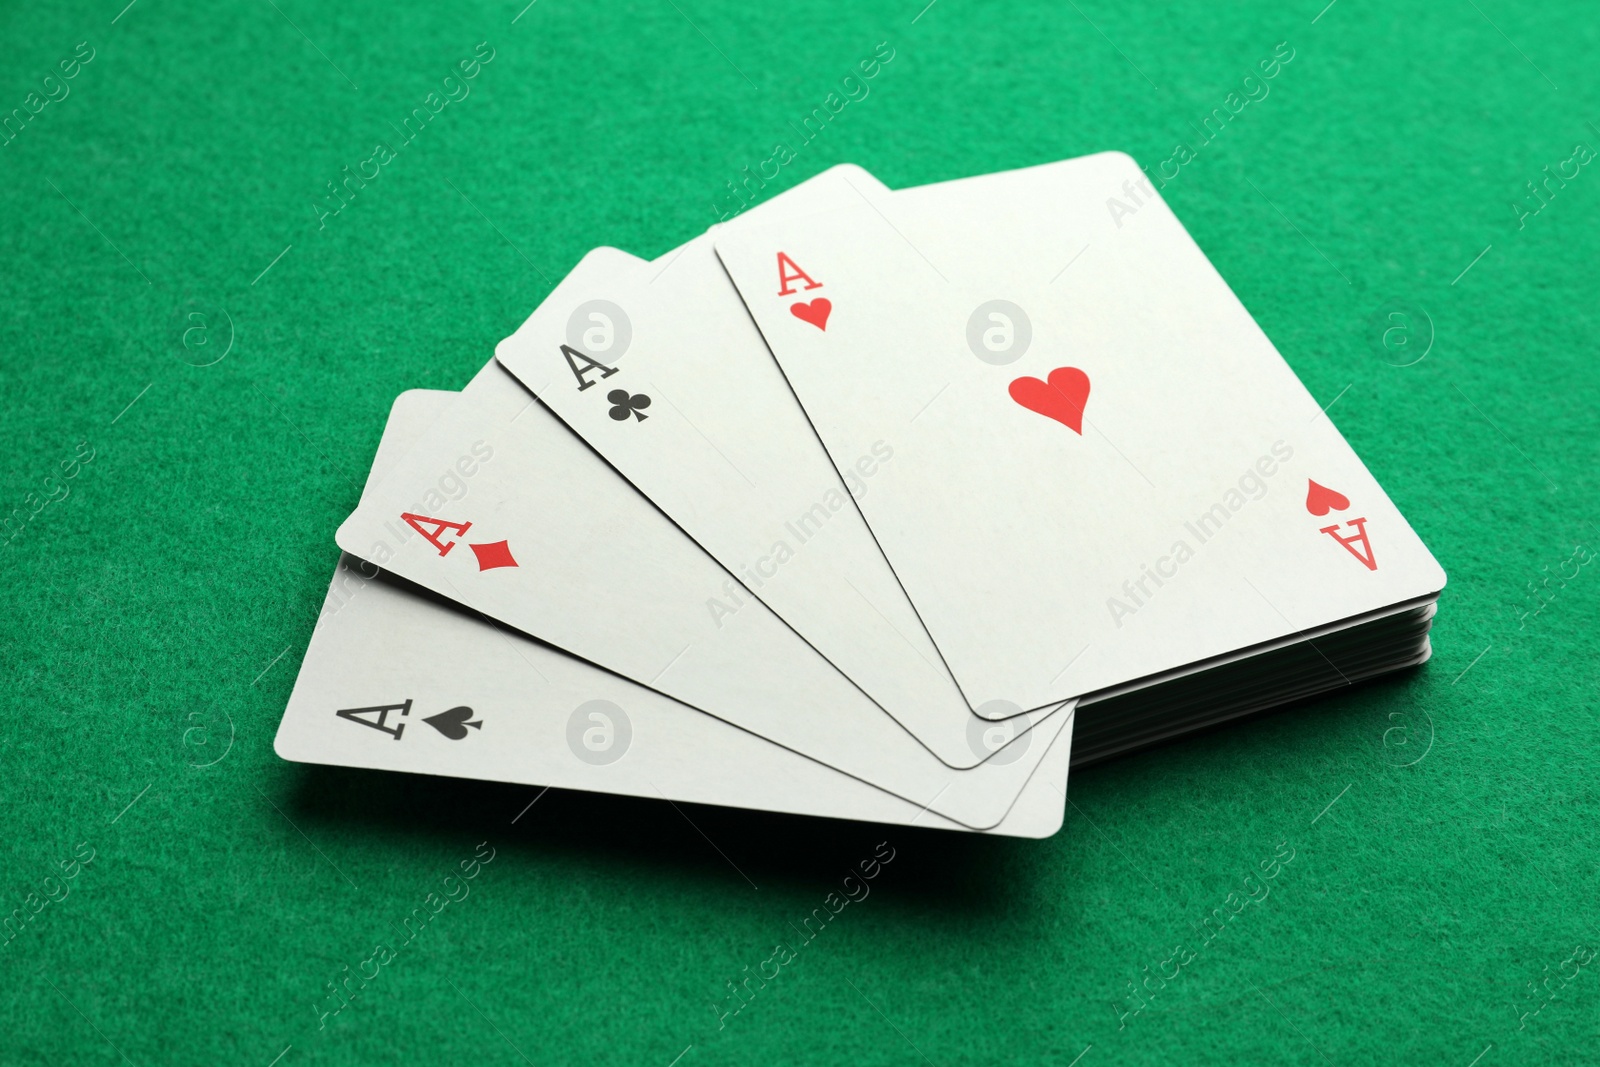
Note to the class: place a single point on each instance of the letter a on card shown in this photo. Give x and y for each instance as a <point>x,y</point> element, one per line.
<point>421,524</point>
<point>789,272</point>
<point>590,365</point>
<point>377,717</point>
<point>1364,553</point>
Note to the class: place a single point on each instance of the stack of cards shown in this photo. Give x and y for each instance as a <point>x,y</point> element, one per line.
<point>865,504</point>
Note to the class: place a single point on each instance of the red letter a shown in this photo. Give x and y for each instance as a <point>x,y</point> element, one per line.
<point>793,271</point>
<point>1364,554</point>
<point>439,526</point>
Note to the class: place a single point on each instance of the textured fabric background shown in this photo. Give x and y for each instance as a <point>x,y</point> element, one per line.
<point>1438,902</point>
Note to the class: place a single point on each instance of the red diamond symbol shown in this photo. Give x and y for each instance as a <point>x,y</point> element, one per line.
<point>490,556</point>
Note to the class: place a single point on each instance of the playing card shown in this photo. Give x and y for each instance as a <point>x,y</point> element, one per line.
<point>1102,471</point>
<point>709,431</point>
<point>547,538</point>
<point>396,679</point>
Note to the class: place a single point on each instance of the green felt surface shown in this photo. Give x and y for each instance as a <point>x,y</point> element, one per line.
<point>173,590</point>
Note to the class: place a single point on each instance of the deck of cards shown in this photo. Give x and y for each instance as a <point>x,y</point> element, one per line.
<point>868,504</point>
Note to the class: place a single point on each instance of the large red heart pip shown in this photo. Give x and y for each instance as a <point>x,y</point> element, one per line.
<point>1320,499</point>
<point>816,312</point>
<point>1062,398</point>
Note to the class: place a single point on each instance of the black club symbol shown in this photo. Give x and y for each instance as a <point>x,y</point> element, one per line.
<point>624,405</point>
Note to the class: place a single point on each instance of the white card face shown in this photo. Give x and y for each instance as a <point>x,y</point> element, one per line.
<point>1096,478</point>
<point>545,718</point>
<point>724,450</point>
<point>547,538</point>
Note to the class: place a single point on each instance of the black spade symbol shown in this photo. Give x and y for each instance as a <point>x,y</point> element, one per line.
<point>453,723</point>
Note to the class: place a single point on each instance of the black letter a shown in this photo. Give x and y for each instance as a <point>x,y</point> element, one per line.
<point>589,367</point>
<point>360,715</point>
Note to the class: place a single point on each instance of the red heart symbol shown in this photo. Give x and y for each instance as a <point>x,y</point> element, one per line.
<point>1320,500</point>
<point>1062,398</point>
<point>816,312</point>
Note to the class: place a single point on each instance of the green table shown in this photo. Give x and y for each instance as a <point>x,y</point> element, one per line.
<point>199,352</point>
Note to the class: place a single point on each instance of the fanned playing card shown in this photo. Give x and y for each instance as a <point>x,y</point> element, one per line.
<point>397,679</point>
<point>710,433</point>
<point>549,540</point>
